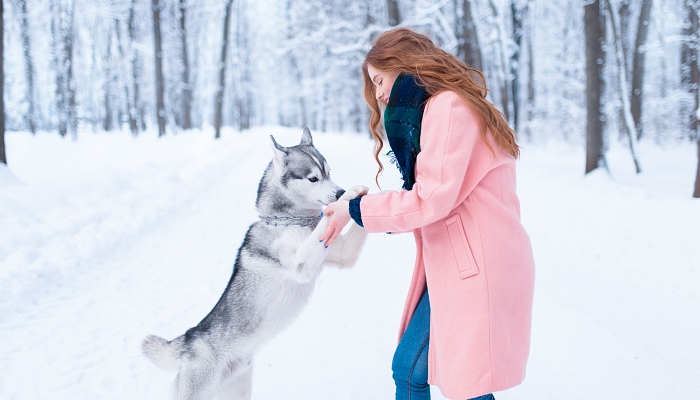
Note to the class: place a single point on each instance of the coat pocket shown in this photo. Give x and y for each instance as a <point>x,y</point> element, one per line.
<point>460,247</point>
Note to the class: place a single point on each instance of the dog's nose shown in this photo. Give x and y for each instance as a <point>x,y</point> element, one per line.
<point>339,193</point>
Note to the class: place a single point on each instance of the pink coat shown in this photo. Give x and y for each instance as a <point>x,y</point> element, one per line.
<point>472,252</point>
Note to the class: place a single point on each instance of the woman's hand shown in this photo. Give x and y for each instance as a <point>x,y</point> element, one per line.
<point>339,213</point>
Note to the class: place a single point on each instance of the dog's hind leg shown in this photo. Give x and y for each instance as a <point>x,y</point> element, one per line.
<point>197,380</point>
<point>237,386</point>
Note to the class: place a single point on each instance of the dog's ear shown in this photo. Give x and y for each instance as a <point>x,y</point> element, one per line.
<point>306,137</point>
<point>278,153</point>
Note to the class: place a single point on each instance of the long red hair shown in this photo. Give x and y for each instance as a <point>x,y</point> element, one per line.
<point>437,71</point>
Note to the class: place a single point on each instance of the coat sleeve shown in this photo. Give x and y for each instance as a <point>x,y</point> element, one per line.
<point>451,146</point>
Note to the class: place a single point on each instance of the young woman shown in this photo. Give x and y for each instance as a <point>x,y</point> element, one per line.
<point>466,322</point>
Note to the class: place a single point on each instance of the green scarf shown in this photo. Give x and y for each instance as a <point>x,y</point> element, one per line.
<point>402,121</point>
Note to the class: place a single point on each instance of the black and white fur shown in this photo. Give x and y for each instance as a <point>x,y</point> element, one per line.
<point>273,278</point>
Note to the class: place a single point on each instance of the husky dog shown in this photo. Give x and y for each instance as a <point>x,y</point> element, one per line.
<point>273,277</point>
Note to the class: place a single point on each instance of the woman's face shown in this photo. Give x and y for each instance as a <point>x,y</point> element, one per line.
<point>383,82</point>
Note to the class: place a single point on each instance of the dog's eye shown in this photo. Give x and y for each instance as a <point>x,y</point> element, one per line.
<point>313,179</point>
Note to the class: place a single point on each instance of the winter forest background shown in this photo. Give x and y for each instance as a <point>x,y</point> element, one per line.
<point>133,134</point>
<point>589,72</point>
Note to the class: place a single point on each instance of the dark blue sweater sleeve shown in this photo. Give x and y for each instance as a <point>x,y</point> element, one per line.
<point>355,212</point>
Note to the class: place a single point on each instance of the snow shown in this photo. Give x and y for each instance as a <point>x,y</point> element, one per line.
<point>110,238</point>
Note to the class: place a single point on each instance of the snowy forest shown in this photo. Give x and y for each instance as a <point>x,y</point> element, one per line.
<point>589,72</point>
<point>134,134</point>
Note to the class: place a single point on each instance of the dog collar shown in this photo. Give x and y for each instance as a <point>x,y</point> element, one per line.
<point>274,220</point>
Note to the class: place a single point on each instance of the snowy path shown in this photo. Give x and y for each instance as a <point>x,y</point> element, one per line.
<point>79,339</point>
<point>617,305</point>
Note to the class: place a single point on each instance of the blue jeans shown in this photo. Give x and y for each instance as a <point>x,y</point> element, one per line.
<point>410,364</point>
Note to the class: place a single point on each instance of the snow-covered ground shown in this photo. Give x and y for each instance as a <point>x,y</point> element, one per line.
<point>110,238</point>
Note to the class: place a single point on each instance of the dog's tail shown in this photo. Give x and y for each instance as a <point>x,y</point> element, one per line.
<point>163,353</point>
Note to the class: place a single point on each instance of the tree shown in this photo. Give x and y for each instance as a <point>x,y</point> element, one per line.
<point>392,7</point>
<point>28,66</point>
<point>68,46</point>
<point>518,14</point>
<point>3,157</point>
<point>638,67</point>
<point>107,87</point>
<point>594,26</point>
<point>130,109</point>
<point>135,56</point>
<point>243,96</point>
<point>530,105</point>
<point>63,34</point>
<point>186,88</point>
<point>468,47</point>
<point>219,98</point>
<point>624,13</point>
<point>626,115</point>
<point>160,88</point>
<point>501,62</point>
<point>690,77</point>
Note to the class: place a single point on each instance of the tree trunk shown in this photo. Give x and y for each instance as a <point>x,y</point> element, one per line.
<point>468,46</point>
<point>160,107</point>
<point>624,13</point>
<point>3,157</point>
<point>135,72</point>
<point>626,116</point>
<point>107,123</point>
<point>107,87</point>
<point>530,74</point>
<point>689,70</point>
<point>58,64</point>
<point>127,95</point>
<point>502,45</point>
<point>69,37</point>
<point>638,67</point>
<point>245,109</point>
<point>392,7</point>
<point>689,67</point>
<point>594,27</point>
<point>219,99</point>
<point>518,14</point>
<point>28,67</point>
<point>690,78</point>
<point>186,88</point>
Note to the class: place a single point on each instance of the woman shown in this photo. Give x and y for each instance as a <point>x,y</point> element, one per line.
<point>466,322</point>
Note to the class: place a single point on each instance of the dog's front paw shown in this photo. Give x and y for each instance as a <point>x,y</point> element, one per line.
<point>354,192</point>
